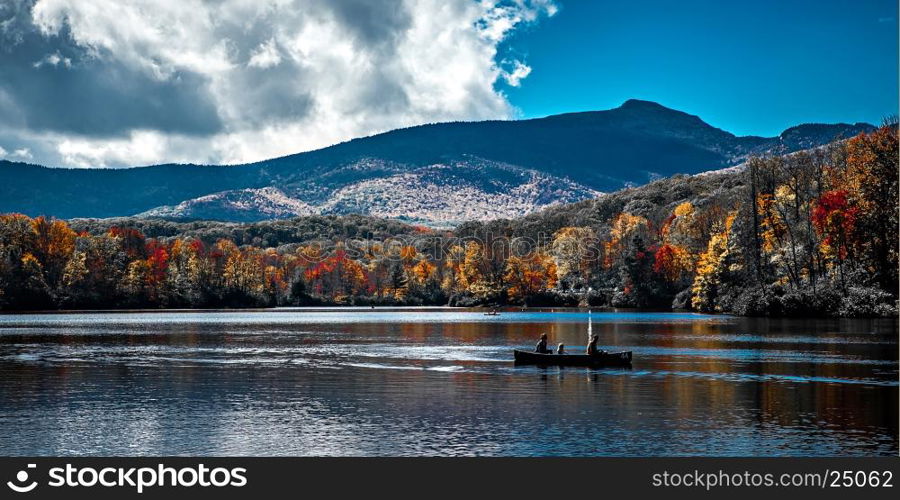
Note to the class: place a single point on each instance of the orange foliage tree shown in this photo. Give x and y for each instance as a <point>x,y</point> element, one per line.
<point>529,275</point>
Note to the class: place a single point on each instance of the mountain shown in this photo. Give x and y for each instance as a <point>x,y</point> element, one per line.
<point>436,195</point>
<point>436,174</point>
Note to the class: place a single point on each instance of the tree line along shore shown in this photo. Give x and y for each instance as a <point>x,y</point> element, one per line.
<point>813,233</point>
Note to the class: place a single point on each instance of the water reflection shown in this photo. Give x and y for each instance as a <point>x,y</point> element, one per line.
<point>441,382</point>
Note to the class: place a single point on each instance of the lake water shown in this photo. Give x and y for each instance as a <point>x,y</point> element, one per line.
<point>435,381</point>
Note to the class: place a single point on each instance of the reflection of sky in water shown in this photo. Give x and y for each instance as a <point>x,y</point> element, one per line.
<point>355,315</point>
<point>430,381</point>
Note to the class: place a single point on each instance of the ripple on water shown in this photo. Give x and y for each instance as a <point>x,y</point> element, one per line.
<point>441,382</point>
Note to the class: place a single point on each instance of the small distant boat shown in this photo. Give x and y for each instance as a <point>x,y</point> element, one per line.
<point>622,358</point>
<point>492,313</point>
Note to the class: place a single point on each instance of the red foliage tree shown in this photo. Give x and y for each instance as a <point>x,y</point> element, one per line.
<point>133,241</point>
<point>669,262</point>
<point>835,219</point>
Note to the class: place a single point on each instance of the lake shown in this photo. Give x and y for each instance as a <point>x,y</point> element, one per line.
<point>439,381</point>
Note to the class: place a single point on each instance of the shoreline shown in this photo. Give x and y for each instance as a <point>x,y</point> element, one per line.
<point>339,308</point>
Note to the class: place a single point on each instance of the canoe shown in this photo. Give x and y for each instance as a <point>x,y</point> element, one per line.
<point>622,358</point>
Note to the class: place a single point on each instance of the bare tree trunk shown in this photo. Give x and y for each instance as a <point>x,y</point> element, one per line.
<point>756,244</point>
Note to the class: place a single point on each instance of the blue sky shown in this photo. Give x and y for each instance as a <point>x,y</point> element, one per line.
<point>747,67</point>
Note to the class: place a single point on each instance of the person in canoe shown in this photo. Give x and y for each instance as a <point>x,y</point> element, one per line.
<point>592,346</point>
<point>541,346</point>
<point>560,349</point>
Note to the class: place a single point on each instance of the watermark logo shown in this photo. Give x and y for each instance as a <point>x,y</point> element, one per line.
<point>137,478</point>
<point>19,485</point>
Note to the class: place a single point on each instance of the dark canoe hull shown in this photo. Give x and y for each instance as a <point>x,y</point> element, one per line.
<point>622,358</point>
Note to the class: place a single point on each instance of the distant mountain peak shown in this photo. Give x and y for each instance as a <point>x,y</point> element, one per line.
<point>642,104</point>
<point>652,112</point>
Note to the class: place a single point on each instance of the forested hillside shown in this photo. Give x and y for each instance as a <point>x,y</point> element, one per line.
<point>811,233</point>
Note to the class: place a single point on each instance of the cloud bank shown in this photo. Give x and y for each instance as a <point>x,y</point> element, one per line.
<point>109,83</point>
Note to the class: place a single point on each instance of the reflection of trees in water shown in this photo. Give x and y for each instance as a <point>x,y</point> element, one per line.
<point>671,396</point>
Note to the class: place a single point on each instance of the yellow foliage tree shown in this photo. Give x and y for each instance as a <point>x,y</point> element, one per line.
<point>623,227</point>
<point>54,245</point>
<point>471,271</point>
<point>685,209</point>
<point>771,224</point>
<point>710,268</point>
<point>423,271</point>
<point>574,249</point>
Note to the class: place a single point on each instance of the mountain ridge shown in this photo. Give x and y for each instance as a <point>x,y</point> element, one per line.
<point>588,152</point>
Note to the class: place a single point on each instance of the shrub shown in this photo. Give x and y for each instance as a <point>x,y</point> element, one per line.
<point>757,301</point>
<point>867,302</point>
<point>798,303</point>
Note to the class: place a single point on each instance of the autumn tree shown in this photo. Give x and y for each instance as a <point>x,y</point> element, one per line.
<point>712,267</point>
<point>672,263</point>
<point>54,243</point>
<point>455,280</point>
<point>426,280</point>
<point>836,219</point>
<point>872,184</point>
<point>338,277</point>
<point>574,249</point>
<point>93,276</point>
<point>622,231</point>
<point>529,275</point>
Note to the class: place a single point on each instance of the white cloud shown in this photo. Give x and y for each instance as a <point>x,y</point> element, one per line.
<point>517,74</point>
<point>265,56</point>
<point>16,154</point>
<point>22,153</point>
<point>161,36</point>
<point>54,59</point>
<point>139,148</point>
<point>292,75</point>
